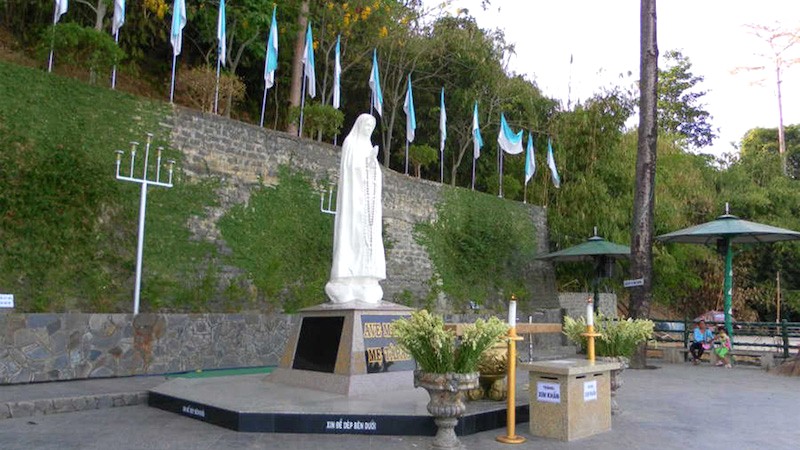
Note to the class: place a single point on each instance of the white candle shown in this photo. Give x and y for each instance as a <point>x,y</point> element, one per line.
<point>590,312</point>
<point>512,314</point>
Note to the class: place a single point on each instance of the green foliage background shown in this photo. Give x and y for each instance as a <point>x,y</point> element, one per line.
<point>479,246</point>
<point>68,227</point>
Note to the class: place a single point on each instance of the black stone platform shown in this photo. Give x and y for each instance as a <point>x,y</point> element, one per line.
<point>251,403</point>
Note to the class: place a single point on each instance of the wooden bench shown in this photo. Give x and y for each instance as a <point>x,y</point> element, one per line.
<point>681,354</point>
<point>765,359</point>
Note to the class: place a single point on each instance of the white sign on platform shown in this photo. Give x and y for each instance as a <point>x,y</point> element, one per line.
<point>633,283</point>
<point>6,300</point>
<point>589,390</point>
<point>548,392</point>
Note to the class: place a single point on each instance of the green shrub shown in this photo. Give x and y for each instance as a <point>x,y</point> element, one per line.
<point>479,245</point>
<point>283,242</point>
<point>81,46</point>
<point>198,85</point>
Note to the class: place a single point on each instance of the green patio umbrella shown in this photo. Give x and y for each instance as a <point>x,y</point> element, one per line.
<point>725,231</point>
<point>595,249</point>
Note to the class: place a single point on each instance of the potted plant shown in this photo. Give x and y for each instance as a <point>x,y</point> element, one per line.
<point>618,339</point>
<point>447,367</point>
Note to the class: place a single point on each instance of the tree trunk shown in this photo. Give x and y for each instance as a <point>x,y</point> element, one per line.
<point>295,90</point>
<point>101,14</point>
<point>644,195</point>
<point>781,135</point>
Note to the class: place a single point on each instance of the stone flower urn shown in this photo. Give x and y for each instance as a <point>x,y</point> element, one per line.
<point>616,380</point>
<point>447,392</point>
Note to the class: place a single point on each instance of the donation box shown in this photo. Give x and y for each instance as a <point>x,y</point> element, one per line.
<point>569,399</point>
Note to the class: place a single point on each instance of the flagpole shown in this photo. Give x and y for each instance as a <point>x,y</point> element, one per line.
<point>501,174</point>
<point>114,70</point>
<point>525,193</point>
<point>473,170</point>
<point>406,156</point>
<point>441,166</point>
<point>216,88</point>
<point>302,106</point>
<point>53,39</point>
<point>172,85</point>
<point>263,104</point>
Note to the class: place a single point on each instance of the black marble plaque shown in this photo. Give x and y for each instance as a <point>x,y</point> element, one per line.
<point>380,347</point>
<point>318,344</point>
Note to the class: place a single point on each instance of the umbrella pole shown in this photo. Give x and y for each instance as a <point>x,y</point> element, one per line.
<point>728,285</point>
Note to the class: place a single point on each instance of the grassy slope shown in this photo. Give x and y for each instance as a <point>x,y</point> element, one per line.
<point>68,227</point>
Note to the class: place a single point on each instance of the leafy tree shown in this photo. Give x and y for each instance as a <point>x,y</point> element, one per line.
<point>422,156</point>
<point>766,140</point>
<point>680,113</point>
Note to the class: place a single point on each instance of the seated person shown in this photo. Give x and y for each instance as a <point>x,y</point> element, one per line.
<point>702,338</point>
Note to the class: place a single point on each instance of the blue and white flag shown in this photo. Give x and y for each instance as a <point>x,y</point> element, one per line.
<point>509,141</point>
<point>119,16</point>
<point>61,9</point>
<point>271,60</point>
<point>477,140</point>
<point>442,123</point>
<point>411,117</point>
<point>337,74</point>
<point>222,45</point>
<point>178,22</point>
<point>551,163</point>
<point>308,63</point>
<point>530,160</point>
<point>375,85</point>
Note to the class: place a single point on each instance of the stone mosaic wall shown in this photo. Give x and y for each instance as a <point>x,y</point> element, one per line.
<point>242,155</point>
<point>44,347</point>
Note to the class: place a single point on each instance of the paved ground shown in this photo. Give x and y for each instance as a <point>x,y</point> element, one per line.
<point>677,406</point>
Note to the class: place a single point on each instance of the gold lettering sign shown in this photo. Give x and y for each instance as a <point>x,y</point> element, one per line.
<point>372,330</point>
<point>394,353</point>
<point>375,356</point>
<point>381,352</point>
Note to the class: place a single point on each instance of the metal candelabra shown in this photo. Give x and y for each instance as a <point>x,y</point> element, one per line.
<point>327,209</point>
<point>144,182</point>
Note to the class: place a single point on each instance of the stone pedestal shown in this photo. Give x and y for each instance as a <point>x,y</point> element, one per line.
<point>569,399</point>
<point>347,349</point>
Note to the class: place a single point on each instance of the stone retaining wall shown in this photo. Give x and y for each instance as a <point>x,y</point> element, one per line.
<point>44,347</point>
<point>243,155</point>
<point>575,303</point>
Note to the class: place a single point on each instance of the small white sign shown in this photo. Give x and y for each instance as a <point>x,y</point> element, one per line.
<point>548,392</point>
<point>589,390</point>
<point>633,283</point>
<point>6,300</point>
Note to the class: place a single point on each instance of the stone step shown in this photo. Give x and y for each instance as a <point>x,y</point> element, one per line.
<point>36,399</point>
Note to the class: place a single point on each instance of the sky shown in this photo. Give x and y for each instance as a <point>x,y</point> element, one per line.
<point>603,39</point>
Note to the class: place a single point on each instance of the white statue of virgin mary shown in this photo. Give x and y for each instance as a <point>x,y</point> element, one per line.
<point>358,257</point>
